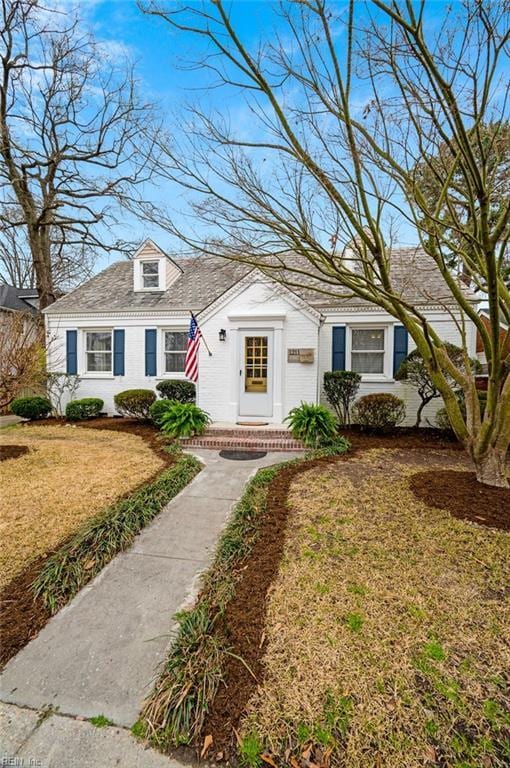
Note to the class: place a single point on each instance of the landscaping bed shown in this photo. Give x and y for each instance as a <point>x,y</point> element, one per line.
<point>82,497</point>
<point>366,627</point>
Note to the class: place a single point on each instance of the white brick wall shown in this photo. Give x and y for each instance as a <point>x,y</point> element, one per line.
<point>442,323</point>
<point>256,307</point>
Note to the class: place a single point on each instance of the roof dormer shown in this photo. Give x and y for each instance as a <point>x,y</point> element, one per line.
<point>153,270</point>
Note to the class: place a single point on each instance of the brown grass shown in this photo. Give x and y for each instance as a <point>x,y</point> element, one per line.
<point>68,475</point>
<point>387,627</point>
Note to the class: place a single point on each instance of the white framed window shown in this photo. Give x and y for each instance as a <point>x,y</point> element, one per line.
<point>98,351</point>
<point>150,274</point>
<point>368,351</point>
<point>174,347</point>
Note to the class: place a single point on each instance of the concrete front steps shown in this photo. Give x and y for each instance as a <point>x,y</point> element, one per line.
<point>245,438</point>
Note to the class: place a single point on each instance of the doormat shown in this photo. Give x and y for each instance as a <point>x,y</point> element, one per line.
<point>252,423</point>
<point>242,455</point>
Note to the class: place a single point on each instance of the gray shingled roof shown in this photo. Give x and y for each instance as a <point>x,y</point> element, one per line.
<point>14,298</point>
<point>204,279</point>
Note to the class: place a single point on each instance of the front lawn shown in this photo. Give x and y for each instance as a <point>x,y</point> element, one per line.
<point>384,639</point>
<point>387,627</point>
<point>72,498</point>
<point>67,475</point>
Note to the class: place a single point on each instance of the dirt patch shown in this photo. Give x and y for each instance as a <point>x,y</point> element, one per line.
<point>21,615</point>
<point>12,451</point>
<point>464,497</point>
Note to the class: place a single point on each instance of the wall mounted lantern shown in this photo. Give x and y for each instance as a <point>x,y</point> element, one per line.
<point>222,334</point>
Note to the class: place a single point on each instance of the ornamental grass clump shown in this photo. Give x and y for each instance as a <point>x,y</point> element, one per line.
<point>184,420</point>
<point>314,424</point>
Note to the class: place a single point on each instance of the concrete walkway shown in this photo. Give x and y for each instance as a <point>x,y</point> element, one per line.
<point>100,654</point>
<point>9,419</point>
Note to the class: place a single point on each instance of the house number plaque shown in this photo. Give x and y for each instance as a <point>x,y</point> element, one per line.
<point>301,355</point>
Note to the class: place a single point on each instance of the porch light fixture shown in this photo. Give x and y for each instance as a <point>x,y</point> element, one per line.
<point>222,334</point>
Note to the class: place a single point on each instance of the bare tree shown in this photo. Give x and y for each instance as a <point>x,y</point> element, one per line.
<point>343,107</point>
<point>74,136</point>
<point>21,355</point>
<point>70,264</point>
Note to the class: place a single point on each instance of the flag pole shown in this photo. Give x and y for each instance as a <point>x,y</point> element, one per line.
<point>201,335</point>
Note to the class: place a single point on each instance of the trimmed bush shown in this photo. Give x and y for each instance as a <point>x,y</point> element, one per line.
<point>135,403</point>
<point>341,387</point>
<point>379,411</point>
<point>158,410</point>
<point>35,407</point>
<point>87,408</point>
<point>314,424</point>
<point>177,389</point>
<point>184,420</point>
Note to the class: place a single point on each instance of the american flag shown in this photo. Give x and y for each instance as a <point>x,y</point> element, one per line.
<point>191,364</point>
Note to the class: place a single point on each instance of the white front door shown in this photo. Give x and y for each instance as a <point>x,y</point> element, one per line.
<point>256,373</point>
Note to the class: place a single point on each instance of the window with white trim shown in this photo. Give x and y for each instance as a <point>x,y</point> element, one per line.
<point>150,274</point>
<point>175,345</point>
<point>98,351</point>
<point>367,350</point>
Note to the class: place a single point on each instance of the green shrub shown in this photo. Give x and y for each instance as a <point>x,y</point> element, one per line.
<point>341,387</point>
<point>379,410</point>
<point>442,418</point>
<point>35,407</point>
<point>177,389</point>
<point>135,403</point>
<point>314,424</point>
<point>87,408</point>
<point>184,420</point>
<point>158,410</point>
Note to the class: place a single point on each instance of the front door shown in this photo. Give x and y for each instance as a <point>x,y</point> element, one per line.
<point>256,373</point>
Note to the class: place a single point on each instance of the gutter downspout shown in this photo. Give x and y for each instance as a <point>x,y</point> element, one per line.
<point>322,320</point>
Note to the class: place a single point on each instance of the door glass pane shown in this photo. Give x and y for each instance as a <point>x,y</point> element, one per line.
<point>255,357</point>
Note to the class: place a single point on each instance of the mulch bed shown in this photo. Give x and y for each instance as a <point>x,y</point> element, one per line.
<point>245,616</point>
<point>21,615</point>
<point>12,451</point>
<point>464,497</point>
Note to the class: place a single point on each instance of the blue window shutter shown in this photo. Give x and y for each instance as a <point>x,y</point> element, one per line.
<point>338,363</point>
<point>150,351</point>
<point>118,351</point>
<point>400,346</point>
<point>72,352</point>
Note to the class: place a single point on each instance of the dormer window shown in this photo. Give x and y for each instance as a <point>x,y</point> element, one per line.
<point>150,274</point>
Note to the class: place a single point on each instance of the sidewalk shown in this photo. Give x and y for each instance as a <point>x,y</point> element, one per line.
<point>99,655</point>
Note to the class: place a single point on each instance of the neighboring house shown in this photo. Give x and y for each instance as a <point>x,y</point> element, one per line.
<point>504,337</point>
<point>127,327</point>
<point>18,299</point>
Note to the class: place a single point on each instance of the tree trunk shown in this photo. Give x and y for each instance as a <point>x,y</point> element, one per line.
<point>490,468</point>
<point>41,259</point>
<point>419,412</point>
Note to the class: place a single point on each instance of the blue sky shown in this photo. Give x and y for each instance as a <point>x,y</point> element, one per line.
<point>160,53</point>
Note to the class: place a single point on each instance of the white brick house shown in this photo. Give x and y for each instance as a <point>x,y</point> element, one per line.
<point>127,328</point>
